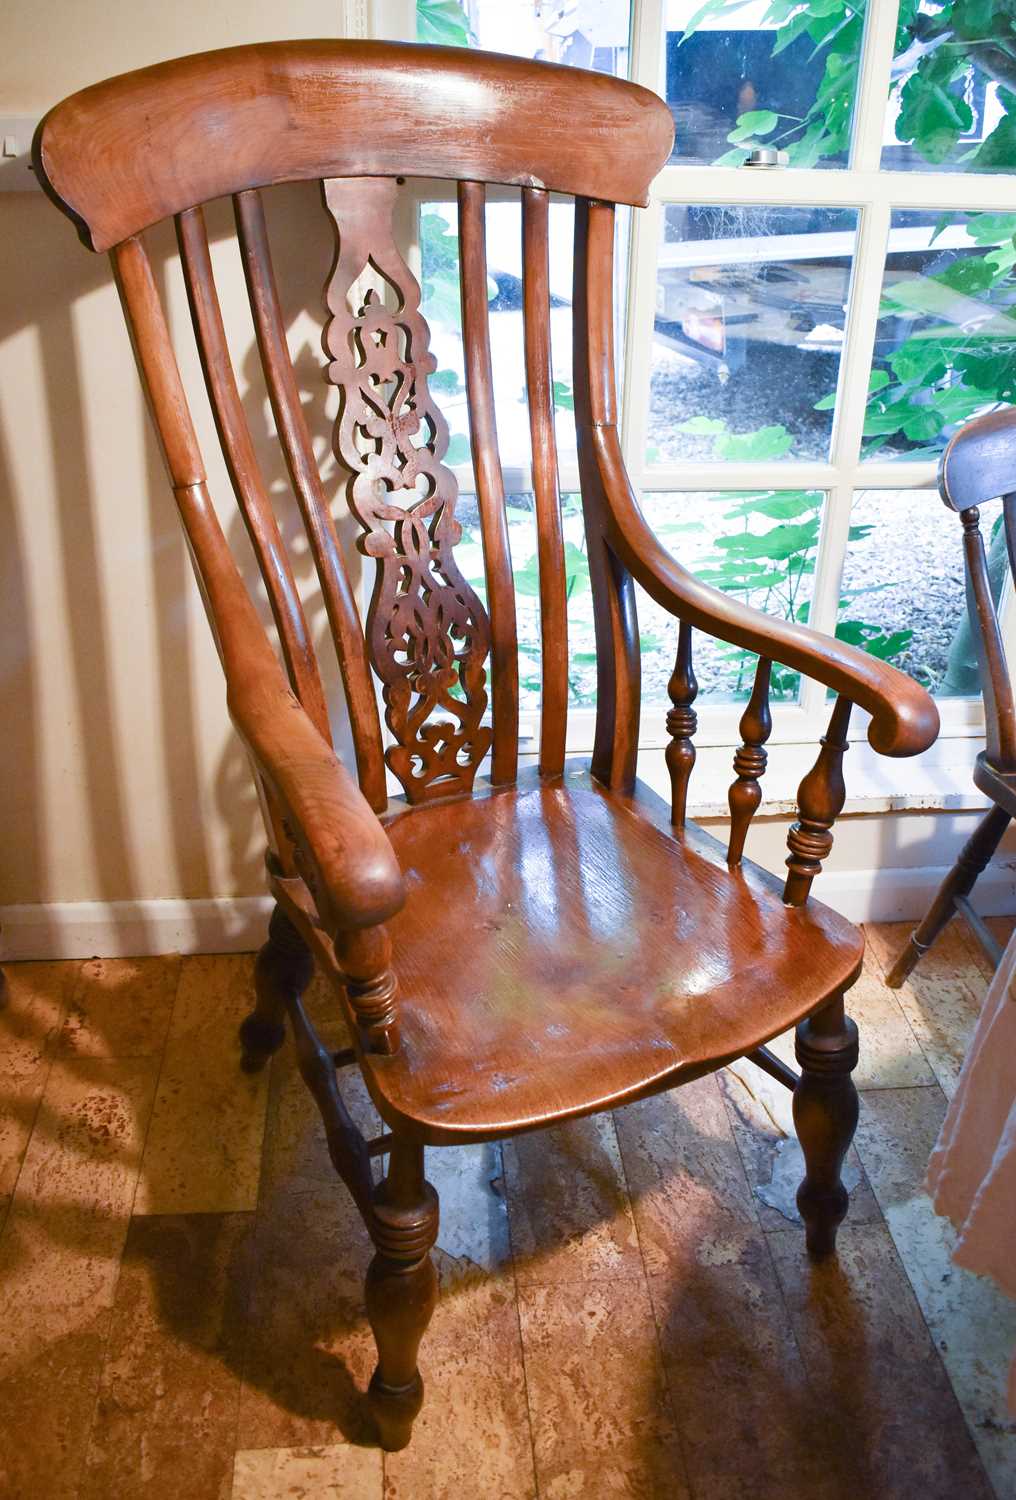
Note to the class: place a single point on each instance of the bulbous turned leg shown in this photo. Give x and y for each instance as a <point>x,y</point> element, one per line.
<point>401,1291</point>
<point>960,881</point>
<point>825,1114</point>
<point>283,967</point>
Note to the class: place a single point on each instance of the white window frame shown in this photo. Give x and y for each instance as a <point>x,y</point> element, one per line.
<point>874,193</point>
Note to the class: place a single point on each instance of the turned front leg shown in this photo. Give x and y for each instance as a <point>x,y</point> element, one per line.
<point>283,968</point>
<point>825,1115</point>
<point>401,1291</point>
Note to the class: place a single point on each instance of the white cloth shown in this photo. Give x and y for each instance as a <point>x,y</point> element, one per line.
<point>972,1172</point>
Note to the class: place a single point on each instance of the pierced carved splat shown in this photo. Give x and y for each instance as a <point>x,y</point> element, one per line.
<point>427,631</point>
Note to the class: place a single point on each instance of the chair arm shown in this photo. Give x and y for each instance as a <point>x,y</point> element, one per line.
<point>904,719</point>
<point>357,876</point>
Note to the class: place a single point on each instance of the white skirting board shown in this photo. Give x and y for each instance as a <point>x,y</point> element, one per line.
<point>237,924</point>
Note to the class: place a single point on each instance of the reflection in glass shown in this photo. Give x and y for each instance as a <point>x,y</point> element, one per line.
<point>946,342</point>
<point>761,548</point>
<point>953,100</point>
<point>750,312</point>
<point>582,33</point>
<point>753,72</point>
<point>906,604</point>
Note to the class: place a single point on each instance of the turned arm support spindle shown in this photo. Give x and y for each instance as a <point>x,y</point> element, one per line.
<point>820,799</point>
<point>750,761</point>
<point>682,721</point>
<point>365,958</point>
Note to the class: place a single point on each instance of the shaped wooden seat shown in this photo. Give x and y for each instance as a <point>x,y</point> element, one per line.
<point>552,945</point>
<point>580,956</point>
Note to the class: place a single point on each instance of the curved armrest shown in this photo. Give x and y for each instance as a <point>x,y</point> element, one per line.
<point>904,719</point>
<point>358,876</point>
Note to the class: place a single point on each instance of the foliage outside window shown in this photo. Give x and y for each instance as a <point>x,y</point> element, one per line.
<point>945,347</point>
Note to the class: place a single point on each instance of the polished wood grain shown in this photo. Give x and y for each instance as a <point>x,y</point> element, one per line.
<point>428,633</point>
<point>978,464</point>
<point>682,721</point>
<point>820,800</point>
<point>497,565</point>
<point>605,959</point>
<point>305,478</point>
<point>518,951</point>
<point>546,481</point>
<point>123,154</point>
<point>750,761</point>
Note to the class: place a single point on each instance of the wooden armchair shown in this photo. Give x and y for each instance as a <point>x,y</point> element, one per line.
<point>978,465</point>
<point>532,947</point>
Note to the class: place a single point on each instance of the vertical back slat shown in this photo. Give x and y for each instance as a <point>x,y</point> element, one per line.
<point>546,485</point>
<point>489,482</point>
<point>244,473</point>
<point>618,667</point>
<point>306,480</point>
<point>996,688</point>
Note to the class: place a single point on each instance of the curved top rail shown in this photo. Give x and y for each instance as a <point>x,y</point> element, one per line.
<point>121,155</point>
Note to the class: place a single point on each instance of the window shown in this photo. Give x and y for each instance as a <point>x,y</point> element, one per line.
<point>801,339</point>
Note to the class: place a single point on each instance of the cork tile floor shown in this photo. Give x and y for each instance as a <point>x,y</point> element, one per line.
<point>626,1308</point>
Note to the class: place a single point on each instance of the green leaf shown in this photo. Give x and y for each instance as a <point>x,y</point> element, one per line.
<point>446,382</point>
<point>781,507</point>
<point>778,544</point>
<point>441,22</point>
<point>969,274</point>
<point>459,451</point>
<point>703,426</point>
<point>754,122</point>
<point>564,398</point>
<point>755,447</point>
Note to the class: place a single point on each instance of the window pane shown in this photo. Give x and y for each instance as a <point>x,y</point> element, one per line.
<point>583,33</point>
<point>439,246</point>
<point>762,72</point>
<point>750,310</point>
<point>906,604</point>
<point>946,342</point>
<point>759,547</point>
<point>522,540</point>
<point>953,102</point>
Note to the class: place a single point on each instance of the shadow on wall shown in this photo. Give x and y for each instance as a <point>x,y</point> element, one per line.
<point>74,830</point>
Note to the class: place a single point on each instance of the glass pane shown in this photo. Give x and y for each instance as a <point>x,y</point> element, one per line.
<point>946,342</point>
<point>750,310</point>
<point>953,101</point>
<point>761,548</point>
<point>583,33</point>
<point>439,247</point>
<point>763,72</point>
<point>522,540</point>
<point>906,604</point>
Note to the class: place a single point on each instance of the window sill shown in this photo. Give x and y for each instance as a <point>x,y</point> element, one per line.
<point>937,781</point>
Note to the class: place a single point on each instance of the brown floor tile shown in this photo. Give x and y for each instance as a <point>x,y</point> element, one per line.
<point>166,1416</point>
<point>601,1420</point>
<point>890,1422</point>
<point>59,1261</point>
<point>738,1387</point>
<point>942,998</point>
<point>32,1007</point>
<point>568,1205</point>
<point>120,1007</point>
<point>472,1436</point>
<point>338,1472</point>
<point>203,1153</point>
<point>683,1170</point>
<point>972,1323</point>
<point>761,1117</point>
<point>310,1350</point>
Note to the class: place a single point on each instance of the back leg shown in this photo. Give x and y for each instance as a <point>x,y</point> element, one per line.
<point>960,881</point>
<point>283,968</point>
